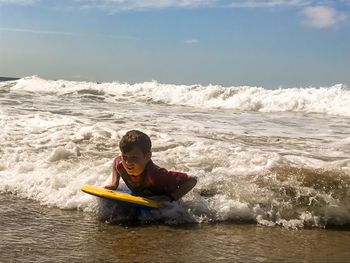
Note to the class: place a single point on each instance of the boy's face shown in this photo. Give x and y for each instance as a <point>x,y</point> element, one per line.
<point>135,161</point>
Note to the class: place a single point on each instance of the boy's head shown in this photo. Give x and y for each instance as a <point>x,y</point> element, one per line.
<point>136,151</point>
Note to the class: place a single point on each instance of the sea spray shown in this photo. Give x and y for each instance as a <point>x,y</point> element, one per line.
<point>326,100</point>
<point>273,157</point>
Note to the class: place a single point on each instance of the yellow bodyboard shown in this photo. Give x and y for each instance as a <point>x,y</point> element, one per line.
<point>119,196</point>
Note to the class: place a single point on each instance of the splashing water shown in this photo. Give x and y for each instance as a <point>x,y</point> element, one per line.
<point>276,157</point>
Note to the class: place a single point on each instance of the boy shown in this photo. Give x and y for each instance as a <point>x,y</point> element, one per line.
<point>142,176</point>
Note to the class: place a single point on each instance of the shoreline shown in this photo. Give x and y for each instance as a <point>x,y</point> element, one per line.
<point>30,230</point>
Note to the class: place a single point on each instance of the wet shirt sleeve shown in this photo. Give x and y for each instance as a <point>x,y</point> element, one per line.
<point>117,162</point>
<point>166,181</point>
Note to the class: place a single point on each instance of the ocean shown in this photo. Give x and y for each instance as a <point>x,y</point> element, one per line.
<point>273,170</point>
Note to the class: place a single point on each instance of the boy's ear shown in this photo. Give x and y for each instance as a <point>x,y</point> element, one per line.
<point>149,155</point>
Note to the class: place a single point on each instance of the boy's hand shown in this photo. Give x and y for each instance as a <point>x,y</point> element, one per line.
<point>110,187</point>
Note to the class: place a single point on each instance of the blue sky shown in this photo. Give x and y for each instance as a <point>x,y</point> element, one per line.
<point>232,42</point>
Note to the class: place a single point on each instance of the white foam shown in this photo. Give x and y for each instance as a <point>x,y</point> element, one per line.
<point>325,100</point>
<point>53,141</point>
<point>62,153</point>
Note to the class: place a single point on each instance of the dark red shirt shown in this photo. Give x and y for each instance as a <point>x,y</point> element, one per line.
<point>153,180</point>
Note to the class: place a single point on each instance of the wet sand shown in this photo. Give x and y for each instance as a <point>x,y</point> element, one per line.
<point>33,233</point>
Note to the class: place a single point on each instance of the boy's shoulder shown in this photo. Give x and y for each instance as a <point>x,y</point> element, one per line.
<point>156,171</point>
<point>117,160</point>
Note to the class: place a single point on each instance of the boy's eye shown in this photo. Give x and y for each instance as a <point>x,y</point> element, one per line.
<point>131,158</point>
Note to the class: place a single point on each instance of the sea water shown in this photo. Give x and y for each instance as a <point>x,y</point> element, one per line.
<point>271,157</point>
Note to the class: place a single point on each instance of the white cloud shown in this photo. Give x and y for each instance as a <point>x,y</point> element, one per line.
<point>322,17</point>
<point>16,2</point>
<point>122,5</point>
<point>63,33</point>
<point>113,6</point>
<point>267,3</point>
<point>33,31</point>
<point>191,41</point>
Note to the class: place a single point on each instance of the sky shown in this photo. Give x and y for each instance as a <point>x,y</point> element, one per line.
<point>268,43</point>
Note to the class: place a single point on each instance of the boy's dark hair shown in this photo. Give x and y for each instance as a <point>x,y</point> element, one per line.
<point>133,139</point>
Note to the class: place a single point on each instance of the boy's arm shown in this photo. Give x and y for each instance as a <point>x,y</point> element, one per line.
<point>178,192</point>
<point>115,180</point>
<point>184,188</point>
